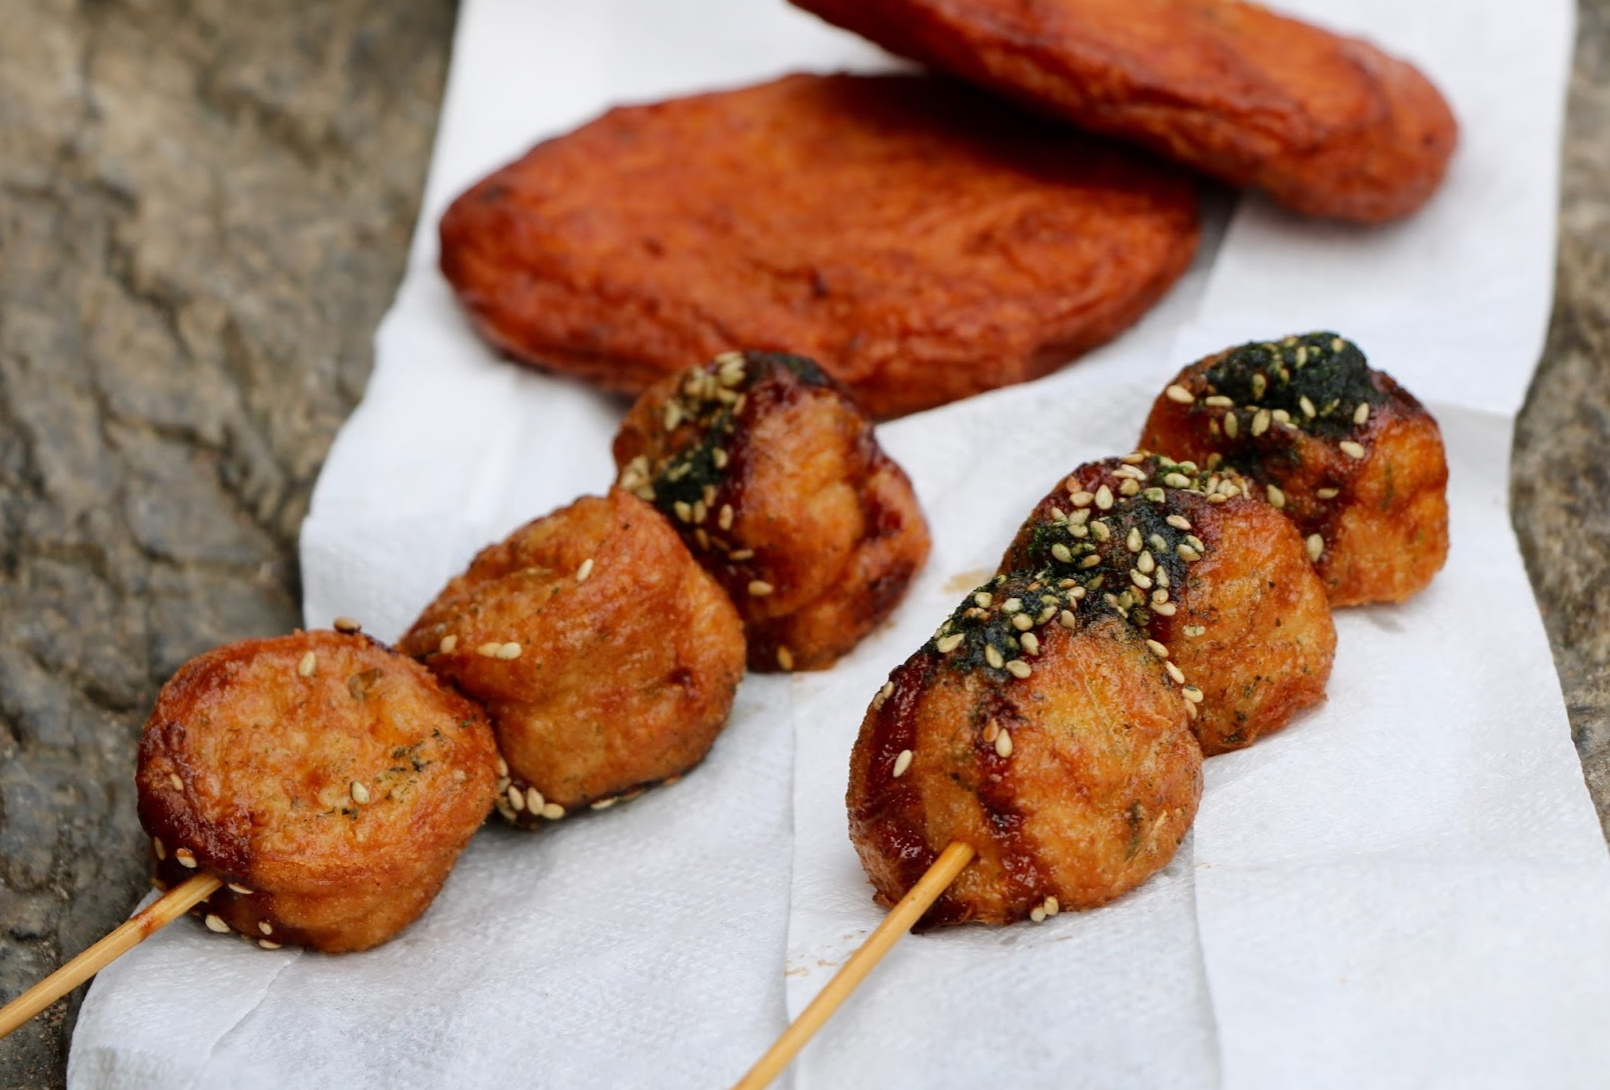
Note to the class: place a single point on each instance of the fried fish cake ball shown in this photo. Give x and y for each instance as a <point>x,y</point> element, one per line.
<point>328,780</point>
<point>1062,754</point>
<point>1218,583</point>
<point>605,656</point>
<point>1349,455</point>
<point>1328,125</point>
<point>920,240</point>
<point>774,479</point>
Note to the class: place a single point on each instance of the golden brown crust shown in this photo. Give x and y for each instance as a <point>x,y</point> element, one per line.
<point>1328,125</point>
<point>920,241</point>
<point>605,656</point>
<point>1363,476</point>
<point>774,479</point>
<point>330,780</point>
<point>1220,583</point>
<point>1073,783</point>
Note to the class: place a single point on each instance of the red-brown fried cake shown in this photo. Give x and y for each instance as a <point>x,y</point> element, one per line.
<point>1343,450</point>
<point>1053,743</point>
<point>1219,585</point>
<point>1328,125</point>
<point>606,657</point>
<point>328,780</point>
<point>776,483</point>
<point>919,240</point>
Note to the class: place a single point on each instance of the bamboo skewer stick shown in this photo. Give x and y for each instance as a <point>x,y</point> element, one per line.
<point>910,908</point>
<point>139,927</point>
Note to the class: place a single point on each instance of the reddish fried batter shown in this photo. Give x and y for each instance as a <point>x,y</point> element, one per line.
<point>1070,770</point>
<point>920,241</point>
<point>1328,125</point>
<point>776,483</point>
<point>1343,450</point>
<point>331,782</point>
<point>605,655</point>
<point>1219,582</point>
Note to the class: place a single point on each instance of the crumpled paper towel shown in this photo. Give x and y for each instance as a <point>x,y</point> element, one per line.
<point>1407,887</point>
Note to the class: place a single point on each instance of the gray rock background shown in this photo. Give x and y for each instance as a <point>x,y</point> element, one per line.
<point>204,211</point>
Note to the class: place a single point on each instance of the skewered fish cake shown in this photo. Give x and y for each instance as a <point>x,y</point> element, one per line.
<point>1218,583</point>
<point>774,479</point>
<point>1345,452</point>
<point>605,656</point>
<point>1052,742</point>
<point>328,780</point>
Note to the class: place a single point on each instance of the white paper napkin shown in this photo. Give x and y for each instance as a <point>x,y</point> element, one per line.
<point>1408,887</point>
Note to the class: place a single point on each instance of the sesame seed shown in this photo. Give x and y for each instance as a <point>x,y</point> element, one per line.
<point>760,588</point>
<point>1003,744</point>
<point>1281,416</point>
<point>1157,649</point>
<point>533,799</point>
<point>719,457</point>
<point>993,657</point>
<point>1162,577</point>
<point>1067,619</point>
<point>216,923</point>
<point>265,927</point>
<point>1140,579</point>
<point>1316,547</point>
<point>447,644</point>
<point>585,570</point>
<point>1011,605</point>
<point>700,510</point>
<point>360,793</point>
<point>1145,562</point>
<point>1306,406</point>
<point>1166,609</point>
<point>1327,493</point>
<point>1194,630</point>
<point>739,555</point>
<point>1037,914</point>
<point>949,643</point>
<point>1351,449</point>
<point>1337,344</point>
<point>1019,669</point>
<point>1195,542</point>
<point>1180,394</point>
<point>1219,401</point>
<point>1175,672</point>
<point>489,650</point>
<point>240,889</point>
<point>346,625</point>
<point>785,658</point>
<point>1277,498</point>
<point>173,778</point>
<point>724,517</point>
<point>1134,458</point>
<point>503,767</point>
<point>1022,622</point>
<point>186,858</point>
<point>1082,499</point>
<point>158,847</point>
<point>1031,643</point>
<point>1090,561</point>
<point>1362,413</point>
<point>509,651</point>
<point>1260,383</point>
<point>1104,498</point>
<point>1260,422</point>
<point>1134,542</point>
<point>1079,517</point>
<point>983,599</point>
<point>1187,553</point>
<point>266,945</point>
<point>1232,425</point>
<point>553,811</point>
<point>991,730</point>
<point>1176,480</point>
<point>1192,693</point>
<point>1129,471</point>
<point>901,763</point>
<point>1052,906</point>
<point>516,798</point>
<point>683,510</point>
<point>1101,530</point>
<point>309,663</point>
<point>1062,553</point>
<point>603,804</point>
<point>1128,487</point>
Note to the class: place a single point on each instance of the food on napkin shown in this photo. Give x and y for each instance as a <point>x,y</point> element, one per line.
<point>329,781</point>
<point>773,476</point>
<point>920,240</point>
<point>1328,125</point>
<point>1351,457</point>
<point>606,657</point>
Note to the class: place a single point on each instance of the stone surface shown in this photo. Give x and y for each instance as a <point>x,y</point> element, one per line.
<point>204,209</point>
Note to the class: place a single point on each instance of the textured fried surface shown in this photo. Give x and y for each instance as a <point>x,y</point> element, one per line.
<point>1328,125</point>
<point>773,477</point>
<point>1220,583</point>
<point>1075,782</point>
<point>1349,455</point>
<point>920,241</point>
<point>606,657</point>
<point>338,789</point>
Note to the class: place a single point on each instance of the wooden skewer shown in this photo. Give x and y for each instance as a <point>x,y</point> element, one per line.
<point>899,920</point>
<point>141,926</point>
